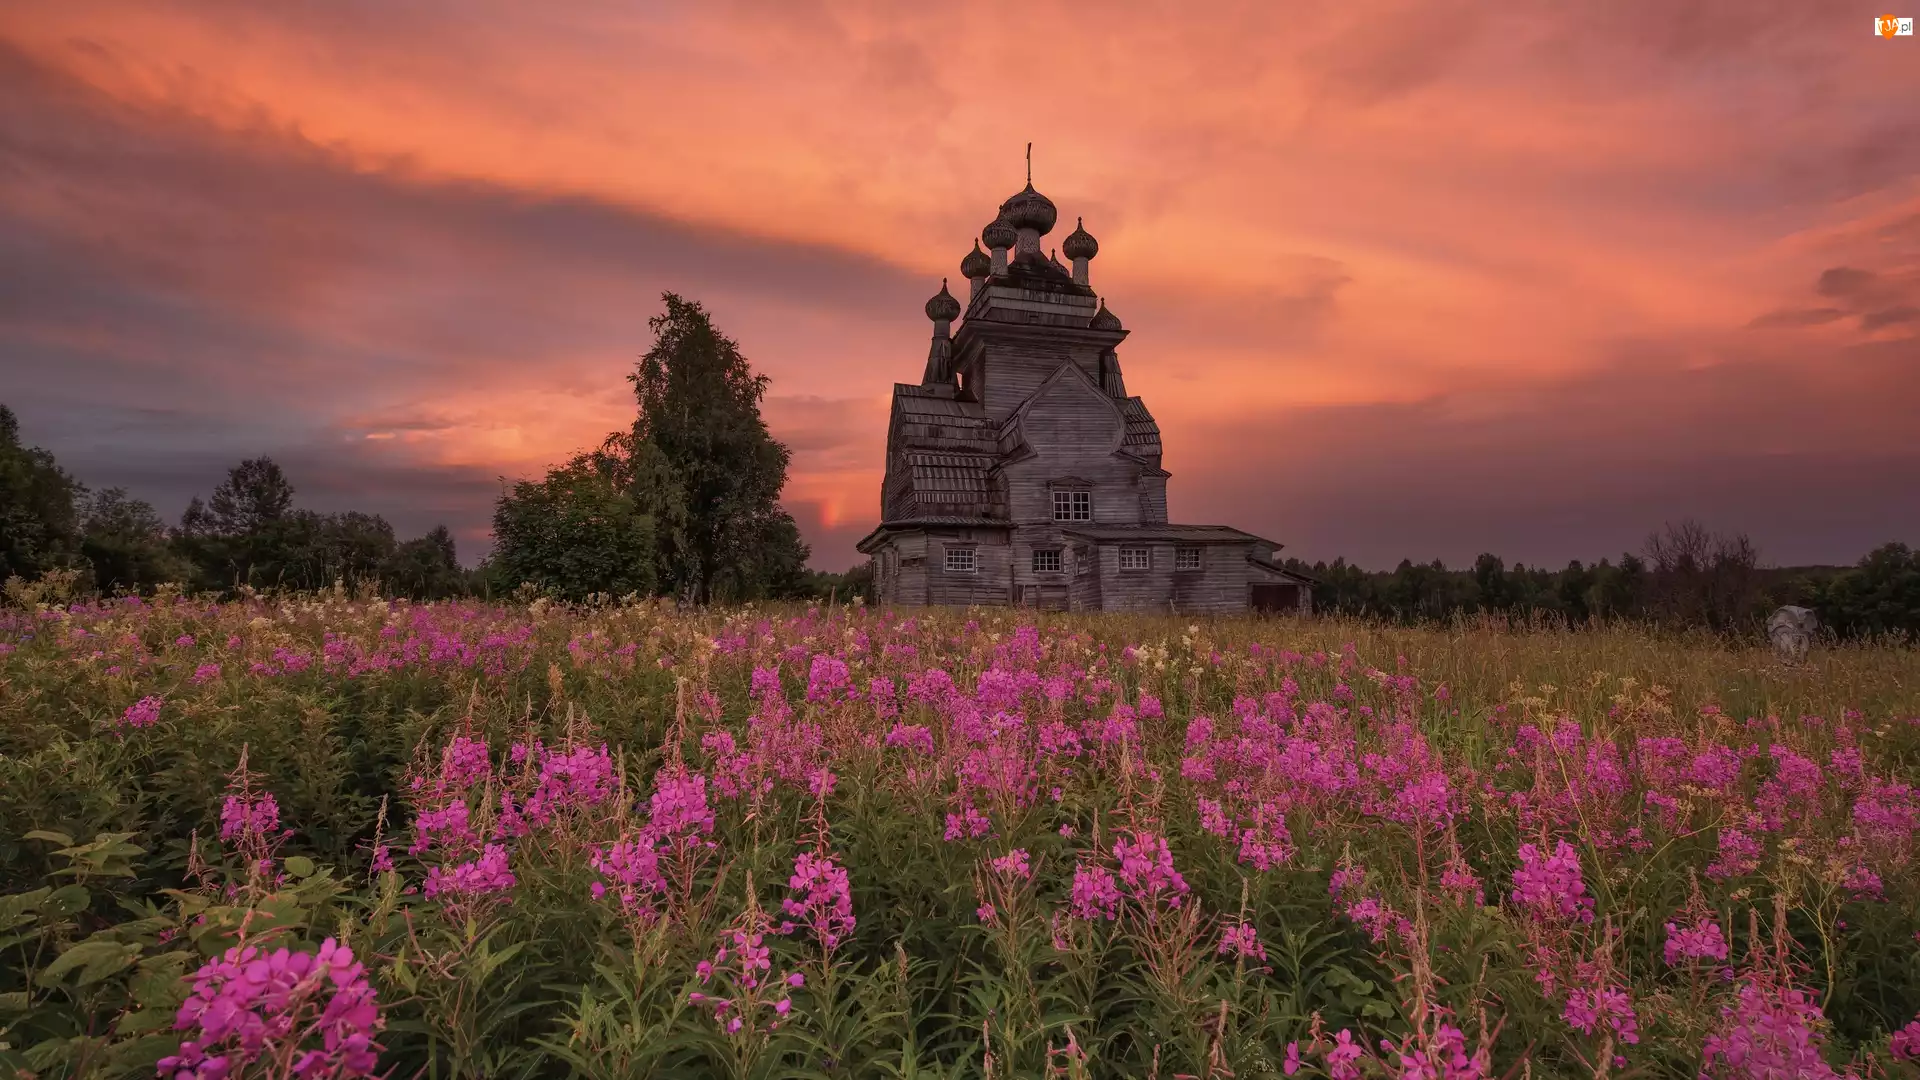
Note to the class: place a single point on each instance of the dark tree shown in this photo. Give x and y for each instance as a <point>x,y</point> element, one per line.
<point>126,543</point>
<point>426,568</point>
<point>1879,596</point>
<point>39,521</point>
<point>573,534</point>
<point>255,494</point>
<point>703,462</point>
<point>248,533</point>
<point>353,547</point>
<point>1699,578</point>
<point>1490,576</point>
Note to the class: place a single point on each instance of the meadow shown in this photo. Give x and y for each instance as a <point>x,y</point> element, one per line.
<point>335,836</point>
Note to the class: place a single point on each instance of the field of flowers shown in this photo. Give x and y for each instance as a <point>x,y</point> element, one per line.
<point>332,837</point>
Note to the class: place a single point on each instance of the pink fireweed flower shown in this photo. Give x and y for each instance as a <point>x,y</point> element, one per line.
<point>1267,844</point>
<point>630,870</point>
<point>484,876</point>
<point>1588,1009</point>
<point>1095,893</point>
<point>1242,941</point>
<point>1459,881</point>
<point>1739,855</point>
<point>1550,886</point>
<point>1378,919</point>
<point>142,714</point>
<point>184,641</point>
<point>1769,1031</point>
<point>1342,1055</point>
<point>1906,1041</point>
<point>825,900</point>
<point>1146,868</point>
<point>742,968</point>
<point>314,1010</point>
<point>679,807</point>
<point>913,737</point>
<point>464,762</point>
<point>1013,865</point>
<point>1702,942</point>
<point>205,673</point>
<point>827,678</point>
<point>578,778</point>
<point>448,826</point>
<point>1863,882</point>
<point>241,819</point>
<point>1213,816</point>
<point>1345,879</point>
<point>969,824</point>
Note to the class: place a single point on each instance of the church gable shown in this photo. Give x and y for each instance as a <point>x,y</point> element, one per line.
<point>1069,417</point>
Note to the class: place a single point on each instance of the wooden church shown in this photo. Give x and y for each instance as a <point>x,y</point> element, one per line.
<point>1019,469</point>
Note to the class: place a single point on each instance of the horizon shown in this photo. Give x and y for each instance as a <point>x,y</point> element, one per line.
<point>1439,281</point>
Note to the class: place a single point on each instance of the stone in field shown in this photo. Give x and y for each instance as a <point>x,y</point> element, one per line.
<point>1791,631</point>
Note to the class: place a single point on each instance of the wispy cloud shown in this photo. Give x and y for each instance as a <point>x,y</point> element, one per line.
<point>1561,271</point>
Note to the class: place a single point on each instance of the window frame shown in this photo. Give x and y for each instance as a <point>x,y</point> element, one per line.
<point>960,553</point>
<point>1040,554</point>
<point>1189,557</point>
<point>1073,504</point>
<point>1145,555</point>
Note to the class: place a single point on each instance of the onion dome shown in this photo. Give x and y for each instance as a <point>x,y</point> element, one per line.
<point>999,234</point>
<point>1029,210</point>
<point>976,264</point>
<point>1104,319</point>
<point>1080,243</point>
<point>943,307</point>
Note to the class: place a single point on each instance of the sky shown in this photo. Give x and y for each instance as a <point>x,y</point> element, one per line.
<point>1404,279</point>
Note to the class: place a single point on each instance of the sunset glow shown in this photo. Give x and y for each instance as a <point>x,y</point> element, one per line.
<point>1402,279</point>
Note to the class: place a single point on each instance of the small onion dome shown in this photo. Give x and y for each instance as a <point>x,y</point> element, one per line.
<point>1080,243</point>
<point>999,234</point>
<point>976,264</point>
<point>1030,210</point>
<point>1104,319</point>
<point>943,307</point>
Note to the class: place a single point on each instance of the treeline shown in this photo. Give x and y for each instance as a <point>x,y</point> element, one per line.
<point>1684,575</point>
<point>683,504</point>
<point>249,533</point>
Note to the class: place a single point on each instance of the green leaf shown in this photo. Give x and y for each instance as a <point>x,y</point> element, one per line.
<point>14,905</point>
<point>60,838</point>
<point>157,986</point>
<point>299,866</point>
<point>68,899</point>
<point>96,958</point>
<point>144,1021</point>
<point>15,1002</point>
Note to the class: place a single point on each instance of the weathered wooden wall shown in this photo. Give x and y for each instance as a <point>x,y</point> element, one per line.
<point>991,581</point>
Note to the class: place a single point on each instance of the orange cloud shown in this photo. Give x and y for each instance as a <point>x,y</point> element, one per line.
<point>435,233</point>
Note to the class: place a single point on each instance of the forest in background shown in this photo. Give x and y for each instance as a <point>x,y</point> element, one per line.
<point>685,504</point>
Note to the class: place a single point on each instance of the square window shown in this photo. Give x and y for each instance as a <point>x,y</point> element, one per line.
<point>1186,558</point>
<point>1136,558</point>
<point>1073,506</point>
<point>1046,562</point>
<point>960,560</point>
